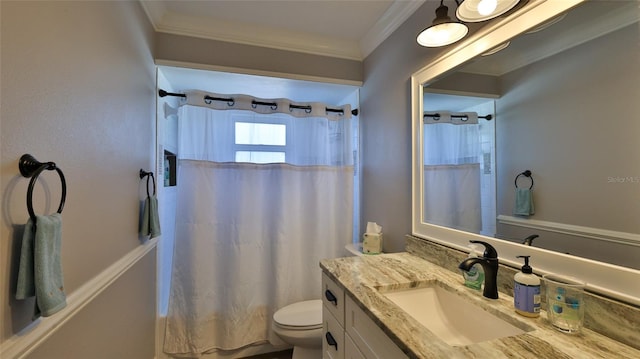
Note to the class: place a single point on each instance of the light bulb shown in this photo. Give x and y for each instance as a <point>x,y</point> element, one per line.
<point>442,34</point>
<point>486,7</point>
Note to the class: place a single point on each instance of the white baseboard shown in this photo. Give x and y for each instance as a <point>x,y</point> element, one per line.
<point>631,239</point>
<point>28,339</point>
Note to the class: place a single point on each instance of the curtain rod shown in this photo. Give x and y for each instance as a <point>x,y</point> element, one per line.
<point>437,115</point>
<point>230,101</point>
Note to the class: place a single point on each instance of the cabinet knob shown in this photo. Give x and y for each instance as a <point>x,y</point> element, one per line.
<point>330,297</point>
<point>331,341</point>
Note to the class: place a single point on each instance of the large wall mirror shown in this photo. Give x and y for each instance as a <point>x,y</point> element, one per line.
<point>536,144</point>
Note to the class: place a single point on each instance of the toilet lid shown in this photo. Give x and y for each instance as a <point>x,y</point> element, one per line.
<point>300,314</point>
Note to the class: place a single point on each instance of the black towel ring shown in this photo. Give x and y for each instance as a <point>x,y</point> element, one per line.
<point>30,167</point>
<point>144,174</point>
<point>526,173</point>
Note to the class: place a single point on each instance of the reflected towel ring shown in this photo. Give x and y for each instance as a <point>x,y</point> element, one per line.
<point>30,167</point>
<point>526,173</point>
<point>143,174</point>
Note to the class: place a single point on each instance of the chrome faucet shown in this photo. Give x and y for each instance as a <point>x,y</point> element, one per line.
<point>489,263</point>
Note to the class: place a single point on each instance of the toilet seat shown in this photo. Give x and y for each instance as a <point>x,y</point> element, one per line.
<point>306,315</point>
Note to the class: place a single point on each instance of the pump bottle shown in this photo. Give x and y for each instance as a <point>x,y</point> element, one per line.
<point>526,291</point>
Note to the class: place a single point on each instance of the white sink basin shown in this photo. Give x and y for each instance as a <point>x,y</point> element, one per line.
<point>449,316</point>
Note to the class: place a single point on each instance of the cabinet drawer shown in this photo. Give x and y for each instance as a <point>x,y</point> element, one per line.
<point>332,336</point>
<point>351,350</point>
<point>333,298</point>
<point>367,336</point>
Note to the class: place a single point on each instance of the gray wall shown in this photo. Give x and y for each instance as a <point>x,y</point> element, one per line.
<point>119,323</point>
<point>210,52</point>
<point>78,88</point>
<point>385,102</point>
<point>572,120</point>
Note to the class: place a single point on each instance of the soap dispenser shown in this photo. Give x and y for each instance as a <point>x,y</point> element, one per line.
<point>526,291</point>
<point>474,277</point>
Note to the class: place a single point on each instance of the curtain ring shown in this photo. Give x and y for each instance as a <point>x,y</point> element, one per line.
<point>207,100</point>
<point>231,102</point>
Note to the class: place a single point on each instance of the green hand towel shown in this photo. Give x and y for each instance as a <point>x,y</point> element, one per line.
<point>26,283</point>
<point>150,225</point>
<point>40,270</point>
<point>524,202</point>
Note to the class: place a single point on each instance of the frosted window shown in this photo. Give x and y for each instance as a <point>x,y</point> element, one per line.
<point>261,134</point>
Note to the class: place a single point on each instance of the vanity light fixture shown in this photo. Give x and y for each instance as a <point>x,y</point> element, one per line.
<point>482,10</point>
<point>500,47</point>
<point>443,30</point>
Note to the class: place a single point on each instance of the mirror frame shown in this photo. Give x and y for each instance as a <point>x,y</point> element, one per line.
<point>611,280</point>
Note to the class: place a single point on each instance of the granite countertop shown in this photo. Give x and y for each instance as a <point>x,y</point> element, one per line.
<point>364,277</point>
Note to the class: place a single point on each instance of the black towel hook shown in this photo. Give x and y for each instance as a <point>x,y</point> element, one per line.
<point>144,174</point>
<point>31,168</point>
<point>526,173</point>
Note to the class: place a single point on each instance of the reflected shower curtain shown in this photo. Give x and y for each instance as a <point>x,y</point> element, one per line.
<point>452,196</point>
<point>452,184</point>
<point>249,236</point>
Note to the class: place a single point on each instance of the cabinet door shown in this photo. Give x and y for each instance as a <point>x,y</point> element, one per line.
<point>367,336</point>
<point>332,336</point>
<point>333,298</point>
<point>351,350</point>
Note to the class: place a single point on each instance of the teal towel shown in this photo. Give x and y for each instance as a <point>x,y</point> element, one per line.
<point>524,202</point>
<point>150,219</point>
<point>40,269</point>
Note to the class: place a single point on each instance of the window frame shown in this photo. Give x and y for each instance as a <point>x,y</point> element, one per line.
<point>271,119</point>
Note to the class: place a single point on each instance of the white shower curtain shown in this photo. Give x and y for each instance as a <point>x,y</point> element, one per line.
<point>452,196</point>
<point>452,185</point>
<point>249,236</point>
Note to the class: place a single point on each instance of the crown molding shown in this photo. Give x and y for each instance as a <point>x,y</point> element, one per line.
<point>155,11</point>
<point>249,34</point>
<point>395,16</point>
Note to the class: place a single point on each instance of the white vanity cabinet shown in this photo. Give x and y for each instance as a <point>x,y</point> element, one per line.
<point>348,332</point>
<point>332,319</point>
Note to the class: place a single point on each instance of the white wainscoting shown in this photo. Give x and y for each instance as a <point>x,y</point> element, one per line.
<point>28,339</point>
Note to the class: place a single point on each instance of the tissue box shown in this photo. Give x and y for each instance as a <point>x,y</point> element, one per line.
<point>372,243</point>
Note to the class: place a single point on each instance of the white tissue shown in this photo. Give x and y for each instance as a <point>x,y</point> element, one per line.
<point>373,227</point>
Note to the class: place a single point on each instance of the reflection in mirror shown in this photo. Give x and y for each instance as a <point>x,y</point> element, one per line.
<point>565,105</point>
<point>459,152</point>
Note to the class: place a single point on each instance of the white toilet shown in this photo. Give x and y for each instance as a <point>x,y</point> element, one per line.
<point>300,324</point>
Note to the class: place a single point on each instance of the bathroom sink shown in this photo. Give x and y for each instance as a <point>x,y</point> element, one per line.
<point>454,319</point>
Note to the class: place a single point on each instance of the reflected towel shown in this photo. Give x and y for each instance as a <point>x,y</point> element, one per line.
<point>40,269</point>
<point>524,202</point>
<point>150,219</point>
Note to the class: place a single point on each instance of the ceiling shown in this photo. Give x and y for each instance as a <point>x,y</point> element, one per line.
<point>342,28</point>
<point>349,29</point>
